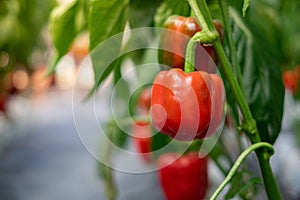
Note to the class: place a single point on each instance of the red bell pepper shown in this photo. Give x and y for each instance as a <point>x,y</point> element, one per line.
<point>291,79</point>
<point>142,138</point>
<point>186,106</point>
<point>144,101</point>
<point>174,42</point>
<point>185,178</point>
<point>141,130</point>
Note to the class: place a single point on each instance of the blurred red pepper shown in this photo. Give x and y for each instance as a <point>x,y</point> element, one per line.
<point>173,44</point>
<point>291,79</point>
<point>187,106</point>
<point>3,103</point>
<point>142,138</point>
<point>185,178</point>
<point>144,101</point>
<point>141,130</point>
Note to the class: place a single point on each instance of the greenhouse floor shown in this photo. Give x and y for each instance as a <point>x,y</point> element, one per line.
<point>43,158</point>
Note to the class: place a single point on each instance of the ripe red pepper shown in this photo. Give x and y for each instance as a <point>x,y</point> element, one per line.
<point>142,138</point>
<point>187,106</point>
<point>185,178</point>
<point>291,79</point>
<point>144,101</point>
<point>141,130</point>
<point>173,44</point>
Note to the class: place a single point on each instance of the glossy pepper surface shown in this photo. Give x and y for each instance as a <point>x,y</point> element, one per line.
<point>186,106</point>
<point>174,41</point>
<point>185,178</point>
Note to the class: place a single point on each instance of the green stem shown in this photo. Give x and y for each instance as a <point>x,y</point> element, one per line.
<point>107,174</point>
<point>238,163</point>
<point>235,63</point>
<point>271,186</point>
<point>205,20</point>
<point>190,55</point>
<point>202,14</point>
<point>249,124</point>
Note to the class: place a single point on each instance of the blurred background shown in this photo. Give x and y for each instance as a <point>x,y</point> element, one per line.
<point>41,154</point>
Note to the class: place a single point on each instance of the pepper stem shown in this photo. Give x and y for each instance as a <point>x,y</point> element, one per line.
<point>190,56</point>
<point>202,37</point>
<point>238,163</point>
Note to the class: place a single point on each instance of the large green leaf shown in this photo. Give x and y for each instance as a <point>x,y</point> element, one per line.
<point>63,25</point>
<point>141,13</point>
<point>115,131</point>
<point>159,141</point>
<point>21,22</point>
<point>66,21</point>
<point>261,77</point>
<point>107,18</point>
<point>171,7</point>
<point>282,27</point>
<point>115,134</point>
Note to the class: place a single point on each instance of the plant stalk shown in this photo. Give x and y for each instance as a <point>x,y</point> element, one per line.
<point>238,163</point>
<point>234,59</point>
<point>249,127</point>
<point>190,56</point>
<point>249,124</point>
<point>106,173</point>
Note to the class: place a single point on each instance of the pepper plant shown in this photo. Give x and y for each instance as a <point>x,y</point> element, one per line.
<point>249,58</point>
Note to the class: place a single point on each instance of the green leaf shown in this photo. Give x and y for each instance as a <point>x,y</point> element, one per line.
<point>62,26</point>
<point>66,22</point>
<point>141,13</point>
<point>234,186</point>
<point>261,77</point>
<point>159,141</point>
<point>243,185</point>
<point>107,175</point>
<point>115,134</point>
<point>273,29</point>
<point>245,7</point>
<point>104,166</point>
<point>171,7</point>
<point>107,18</point>
<point>21,24</point>
<point>249,189</point>
<point>217,151</point>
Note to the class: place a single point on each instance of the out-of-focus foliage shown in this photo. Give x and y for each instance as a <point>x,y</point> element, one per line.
<point>21,22</point>
<point>281,25</point>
